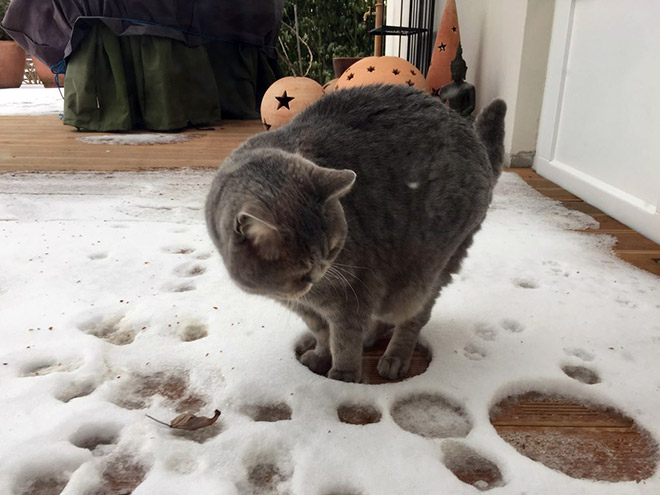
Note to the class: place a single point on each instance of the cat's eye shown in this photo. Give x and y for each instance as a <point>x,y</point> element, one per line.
<point>333,252</point>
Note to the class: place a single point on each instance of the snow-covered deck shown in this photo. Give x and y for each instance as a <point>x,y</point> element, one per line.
<point>113,304</point>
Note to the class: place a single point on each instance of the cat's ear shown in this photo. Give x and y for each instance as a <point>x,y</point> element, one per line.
<point>258,227</point>
<point>333,183</point>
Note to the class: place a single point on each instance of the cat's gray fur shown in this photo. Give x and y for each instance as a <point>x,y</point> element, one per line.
<point>356,214</point>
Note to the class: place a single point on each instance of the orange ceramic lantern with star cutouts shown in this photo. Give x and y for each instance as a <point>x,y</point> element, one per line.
<point>382,70</point>
<point>446,44</point>
<point>286,98</point>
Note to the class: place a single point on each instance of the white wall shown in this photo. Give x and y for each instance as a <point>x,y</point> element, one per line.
<point>533,66</point>
<point>505,44</point>
<point>600,126</point>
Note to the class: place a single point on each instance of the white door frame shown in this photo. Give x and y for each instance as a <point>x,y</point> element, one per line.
<point>638,214</point>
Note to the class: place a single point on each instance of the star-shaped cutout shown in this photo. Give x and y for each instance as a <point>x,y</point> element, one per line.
<point>371,68</point>
<point>442,47</point>
<point>350,76</point>
<point>284,101</point>
<point>435,92</point>
<point>266,125</point>
<point>410,83</point>
<point>453,28</point>
<point>395,72</point>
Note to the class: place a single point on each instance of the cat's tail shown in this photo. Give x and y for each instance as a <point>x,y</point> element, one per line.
<point>489,125</point>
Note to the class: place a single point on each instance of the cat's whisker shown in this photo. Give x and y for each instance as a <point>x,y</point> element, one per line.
<point>357,299</point>
<point>336,277</point>
<point>346,272</point>
<point>353,266</point>
<point>332,277</point>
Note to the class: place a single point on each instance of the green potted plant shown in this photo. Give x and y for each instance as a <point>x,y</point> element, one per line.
<point>12,56</point>
<point>316,33</point>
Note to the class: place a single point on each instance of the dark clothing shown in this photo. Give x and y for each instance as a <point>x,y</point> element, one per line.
<point>52,29</point>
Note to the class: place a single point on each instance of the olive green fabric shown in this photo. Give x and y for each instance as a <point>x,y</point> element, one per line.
<point>147,82</point>
<point>243,73</point>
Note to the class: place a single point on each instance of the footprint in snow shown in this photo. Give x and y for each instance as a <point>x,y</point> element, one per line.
<point>75,390</point>
<point>581,374</point>
<point>278,411</point>
<point>181,462</point>
<point>179,287</point>
<point>98,438</point>
<point>193,331</point>
<point>431,415</point>
<point>525,283</point>
<point>138,391</point>
<point>189,270</point>
<point>474,352</point>
<point>471,467</point>
<point>358,414</point>
<point>121,473</point>
<point>47,366</point>
<point>99,255</point>
<point>265,478</point>
<point>178,249</point>
<point>485,331</point>
<point>49,482</point>
<point>579,353</point>
<point>512,326</point>
<point>114,328</point>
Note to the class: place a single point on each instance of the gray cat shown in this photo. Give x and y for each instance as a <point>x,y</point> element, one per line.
<point>356,214</point>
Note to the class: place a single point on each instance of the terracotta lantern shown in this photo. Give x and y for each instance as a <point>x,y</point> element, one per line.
<point>329,87</point>
<point>444,50</point>
<point>286,98</point>
<point>382,70</point>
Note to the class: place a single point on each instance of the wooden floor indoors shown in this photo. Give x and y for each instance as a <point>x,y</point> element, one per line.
<point>607,446</point>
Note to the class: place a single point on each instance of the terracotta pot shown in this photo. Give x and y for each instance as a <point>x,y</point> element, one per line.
<point>12,64</point>
<point>340,64</point>
<point>45,74</point>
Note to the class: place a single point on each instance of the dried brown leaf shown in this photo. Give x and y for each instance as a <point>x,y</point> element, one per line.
<point>191,422</point>
<point>187,421</point>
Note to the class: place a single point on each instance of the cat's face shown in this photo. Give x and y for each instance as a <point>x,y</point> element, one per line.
<point>281,246</point>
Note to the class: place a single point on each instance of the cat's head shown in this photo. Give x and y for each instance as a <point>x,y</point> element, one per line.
<point>278,223</point>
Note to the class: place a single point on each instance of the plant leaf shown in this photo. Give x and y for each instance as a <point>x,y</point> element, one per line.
<point>191,422</point>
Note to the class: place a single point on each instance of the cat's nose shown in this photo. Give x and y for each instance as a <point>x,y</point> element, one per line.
<point>306,279</point>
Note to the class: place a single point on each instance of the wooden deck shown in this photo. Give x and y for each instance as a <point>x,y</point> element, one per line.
<point>606,446</point>
<point>630,246</point>
<point>43,143</point>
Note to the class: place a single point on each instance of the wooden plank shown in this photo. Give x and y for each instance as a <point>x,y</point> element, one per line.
<point>541,183</point>
<point>646,261</point>
<point>43,143</point>
<point>535,410</point>
<point>559,194</point>
<point>582,441</point>
<point>594,454</point>
<point>632,241</point>
<point>608,225</point>
<point>583,207</point>
<point>524,173</point>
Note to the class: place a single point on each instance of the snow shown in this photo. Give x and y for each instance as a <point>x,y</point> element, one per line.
<point>31,99</point>
<point>114,304</point>
<point>138,139</point>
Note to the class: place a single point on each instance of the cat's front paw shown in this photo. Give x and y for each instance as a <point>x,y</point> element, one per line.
<point>392,367</point>
<point>345,375</point>
<point>318,363</point>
